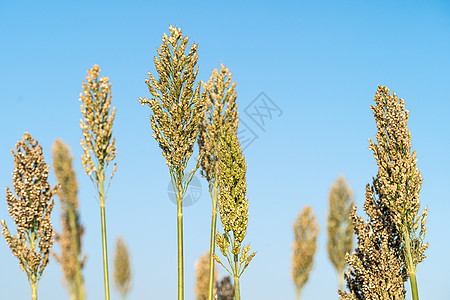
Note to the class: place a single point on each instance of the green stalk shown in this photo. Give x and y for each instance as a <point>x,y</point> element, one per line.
<point>104,245</point>
<point>34,290</point>
<point>180,241</point>
<point>33,276</point>
<point>341,280</point>
<point>212,246</point>
<point>411,267</point>
<point>79,280</point>
<point>237,293</point>
<point>297,294</point>
<point>177,183</point>
<point>413,281</point>
<point>73,292</point>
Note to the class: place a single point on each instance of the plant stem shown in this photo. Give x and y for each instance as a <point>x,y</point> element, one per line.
<point>297,294</point>
<point>212,246</point>
<point>411,267</point>
<point>104,245</point>
<point>341,279</point>
<point>413,281</point>
<point>180,241</point>
<point>237,293</point>
<point>79,289</point>
<point>34,290</point>
<point>33,276</point>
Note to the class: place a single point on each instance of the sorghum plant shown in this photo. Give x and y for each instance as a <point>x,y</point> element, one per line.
<point>306,230</point>
<point>99,148</point>
<point>340,228</point>
<point>122,268</point>
<point>177,108</point>
<point>389,245</point>
<point>69,239</point>
<point>30,210</point>
<point>225,289</point>
<point>220,109</point>
<point>233,206</point>
<point>202,277</point>
<point>399,178</point>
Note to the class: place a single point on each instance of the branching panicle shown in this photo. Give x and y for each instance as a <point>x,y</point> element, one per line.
<point>233,204</point>
<point>122,268</point>
<point>177,109</point>
<point>389,246</point>
<point>98,144</point>
<point>225,289</point>
<point>69,239</point>
<point>306,230</point>
<point>30,210</point>
<point>176,106</point>
<point>220,110</point>
<point>202,277</point>
<point>398,176</point>
<point>374,269</point>
<point>340,228</point>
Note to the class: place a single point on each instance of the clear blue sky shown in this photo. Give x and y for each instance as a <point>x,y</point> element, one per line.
<point>320,62</point>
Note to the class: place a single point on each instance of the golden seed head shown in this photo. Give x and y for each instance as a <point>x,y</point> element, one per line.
<point>376,256</point>
<point>306,230</point>
<point>339,226</point>
<point>72,231</point>
<point>220,109</point>
<point>202,277</point>
<point>392,204</point>
<point>97,125</point>
<point>30,209</point>
<point>225,289</point>
<point>176,105</point>
<point>122,268</point>
<point>398,179</point>
<point>233,204</point>
<point>65,174</point>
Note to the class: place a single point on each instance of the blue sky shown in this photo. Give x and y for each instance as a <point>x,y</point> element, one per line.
<point>319,62</point>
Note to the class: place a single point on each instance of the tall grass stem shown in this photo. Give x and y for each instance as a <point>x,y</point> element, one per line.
<point>104,243</point>
<point>237,293</point>
<point>411,268</point>
<point>180,249</point>
<point>79,277</point>
<point>34,291</point>
<point>212,246</point>
<point>413,281</point>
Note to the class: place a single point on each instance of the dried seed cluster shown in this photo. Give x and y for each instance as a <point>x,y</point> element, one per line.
<point>398,177</point>
<point>220,109</point>
<point>306,230</point>
<point>31,209</point>
<point>340,227</point>
<point>97,125</point>
<point>233,204</point>
<point>225,289</point>
<point>122,268</point>
<point>374,269</point>
<point>380,265</point>
<point>176,106</point>
<point>202,277</point>
<point>72,231</point>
